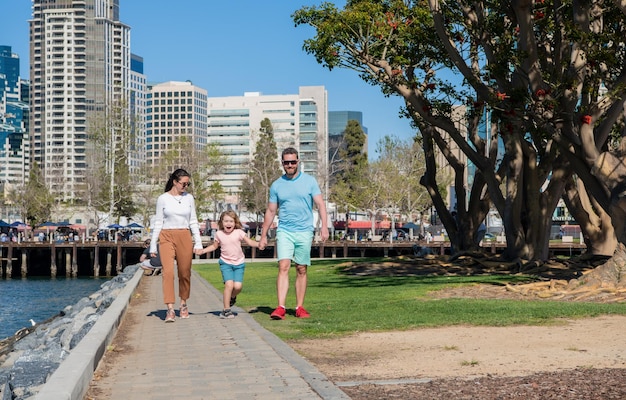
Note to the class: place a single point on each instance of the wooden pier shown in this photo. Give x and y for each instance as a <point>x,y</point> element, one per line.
<point>104,258</point>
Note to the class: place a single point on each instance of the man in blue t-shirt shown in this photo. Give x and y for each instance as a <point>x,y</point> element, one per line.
<point>292,196</point>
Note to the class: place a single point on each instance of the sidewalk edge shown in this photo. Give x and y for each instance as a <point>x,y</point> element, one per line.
<point>71,380</point>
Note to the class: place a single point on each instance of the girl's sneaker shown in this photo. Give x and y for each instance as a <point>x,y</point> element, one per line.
<point>170,315</point>
<point>227,314</point>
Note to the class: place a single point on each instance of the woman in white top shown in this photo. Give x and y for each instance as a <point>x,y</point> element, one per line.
<point>177,232</point>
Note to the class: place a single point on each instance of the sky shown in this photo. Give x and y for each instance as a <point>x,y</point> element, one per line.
<point>228,48</point>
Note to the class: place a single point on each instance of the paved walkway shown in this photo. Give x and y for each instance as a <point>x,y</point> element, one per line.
<point>203,357</point>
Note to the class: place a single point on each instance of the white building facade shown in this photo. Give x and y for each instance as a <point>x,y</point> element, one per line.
<point>298,120</point>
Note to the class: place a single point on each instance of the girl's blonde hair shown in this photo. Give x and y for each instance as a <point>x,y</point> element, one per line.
<point>233,215</point>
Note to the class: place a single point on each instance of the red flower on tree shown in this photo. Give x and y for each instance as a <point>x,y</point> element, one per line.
<point>539,15</point>
<point>501,96</point>
<point>540,93</point>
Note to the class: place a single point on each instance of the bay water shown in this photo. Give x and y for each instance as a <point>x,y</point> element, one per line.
<point>39,298</point>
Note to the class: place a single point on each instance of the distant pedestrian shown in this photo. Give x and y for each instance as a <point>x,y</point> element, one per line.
<point>148,263</point>
<point>228,239</point>
<point>292,196</point>
<point>177,232</point>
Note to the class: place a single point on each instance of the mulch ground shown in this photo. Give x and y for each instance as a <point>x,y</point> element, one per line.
<point>580,384</point>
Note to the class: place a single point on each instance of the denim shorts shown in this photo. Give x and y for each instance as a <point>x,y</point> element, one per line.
<point>295,246</point>
<point>232,272</point>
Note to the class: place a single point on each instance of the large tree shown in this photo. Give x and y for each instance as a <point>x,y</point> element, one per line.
<point>544,78</point>
<point>204,164</point>
<point>108,186</point>
<point>264,168</point>
<point>349,182</point>
<point>34,198</point>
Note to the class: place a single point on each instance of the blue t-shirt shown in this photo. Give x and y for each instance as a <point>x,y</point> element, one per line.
<point>295,202</point>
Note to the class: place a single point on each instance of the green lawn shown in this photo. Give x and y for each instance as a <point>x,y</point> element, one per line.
<point>342,304</point>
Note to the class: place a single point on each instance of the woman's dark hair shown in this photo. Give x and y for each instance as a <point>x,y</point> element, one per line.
<point>176,175</point>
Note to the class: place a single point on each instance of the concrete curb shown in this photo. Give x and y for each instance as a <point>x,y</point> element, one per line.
<point>326,389</point>
<point>71,380</point>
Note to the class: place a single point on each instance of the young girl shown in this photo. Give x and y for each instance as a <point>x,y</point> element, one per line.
<point>228,238</point>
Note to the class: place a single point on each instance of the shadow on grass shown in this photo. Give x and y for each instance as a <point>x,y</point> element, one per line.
<point>341,281</point>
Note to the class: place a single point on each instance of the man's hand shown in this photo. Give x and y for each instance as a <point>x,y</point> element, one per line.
<point>324,234</point>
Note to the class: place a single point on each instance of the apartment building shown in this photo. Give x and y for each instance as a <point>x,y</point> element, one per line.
<point>80,64</point>
<point>299,120</point>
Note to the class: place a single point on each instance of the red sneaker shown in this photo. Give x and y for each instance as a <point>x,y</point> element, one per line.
<point>302,313</point>
<point>278,313</point>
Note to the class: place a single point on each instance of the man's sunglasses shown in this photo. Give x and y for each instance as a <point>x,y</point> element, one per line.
<point>290,162</point>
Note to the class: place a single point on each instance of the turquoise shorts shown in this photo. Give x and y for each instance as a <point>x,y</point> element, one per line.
<point>295,246</point>
<point>232,272</point>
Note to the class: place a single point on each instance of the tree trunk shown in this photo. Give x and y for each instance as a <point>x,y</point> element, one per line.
<point>611,274</point>
<point>595,223</point>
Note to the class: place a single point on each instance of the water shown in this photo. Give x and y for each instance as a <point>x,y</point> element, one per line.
<point>39,299</point>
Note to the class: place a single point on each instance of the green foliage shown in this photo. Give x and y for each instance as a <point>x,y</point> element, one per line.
<point>108,185</point>
<point>36,200</point>
<point>263,169</point>
<point>343,304</point>
<point>349,182</point>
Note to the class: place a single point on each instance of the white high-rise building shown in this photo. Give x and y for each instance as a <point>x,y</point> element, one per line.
<point>299,121</point>
<point>80,65</point>
<point>175,110</point>
<point>138,103</point>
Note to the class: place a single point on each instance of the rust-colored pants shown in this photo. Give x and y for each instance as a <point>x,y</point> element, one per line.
<point>176,244</point>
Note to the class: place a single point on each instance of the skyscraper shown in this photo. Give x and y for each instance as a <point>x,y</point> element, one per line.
<point>80,65</point>
<point>14,146</point>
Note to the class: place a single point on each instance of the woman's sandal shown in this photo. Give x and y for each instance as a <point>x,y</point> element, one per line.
<point>170,315</point>
<point>184,311</point>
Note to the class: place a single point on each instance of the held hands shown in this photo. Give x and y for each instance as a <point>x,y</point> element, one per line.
<point>262,243</point>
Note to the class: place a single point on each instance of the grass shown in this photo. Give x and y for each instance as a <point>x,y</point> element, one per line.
<point>342,304</point>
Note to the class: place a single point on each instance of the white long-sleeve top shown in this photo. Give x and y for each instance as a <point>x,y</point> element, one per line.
<point>176,212</point>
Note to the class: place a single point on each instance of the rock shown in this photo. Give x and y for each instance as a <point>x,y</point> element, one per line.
<point>35,357</point>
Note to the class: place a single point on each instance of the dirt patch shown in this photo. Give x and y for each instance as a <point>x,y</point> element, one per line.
<point>576,359</point>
